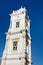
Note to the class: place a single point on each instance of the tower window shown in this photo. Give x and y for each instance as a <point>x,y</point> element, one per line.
<point>15,45</point>
<point>22,12</point>
<point>17,24</point>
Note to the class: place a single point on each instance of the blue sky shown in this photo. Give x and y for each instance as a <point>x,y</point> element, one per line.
<point>35,11</point>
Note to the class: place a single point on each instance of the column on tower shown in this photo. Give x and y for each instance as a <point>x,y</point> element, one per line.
<point>28,42</point>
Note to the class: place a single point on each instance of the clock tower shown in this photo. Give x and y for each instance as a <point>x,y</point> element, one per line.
<point>18,40</point>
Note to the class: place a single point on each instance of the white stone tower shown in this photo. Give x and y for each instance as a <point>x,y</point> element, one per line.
<point>18,41</point>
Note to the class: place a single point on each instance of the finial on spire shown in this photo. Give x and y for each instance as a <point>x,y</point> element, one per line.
<point>24,7</point>
<point>13,11</point>
<point>21,6</point>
